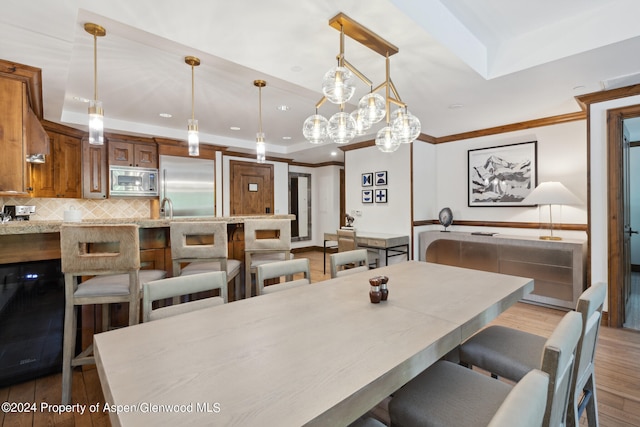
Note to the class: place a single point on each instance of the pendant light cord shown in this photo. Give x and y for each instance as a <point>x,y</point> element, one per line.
<point>95,67</point>
<point>193,91</point>
<point>260,107</point>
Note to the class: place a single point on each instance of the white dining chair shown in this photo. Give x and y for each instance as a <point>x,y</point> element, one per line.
<point>203,246</point>
<point>350,262</point>
<point>265,241</point>
<point>426,400</point>
<point>172,287</point>
<point>280,269</point>
<point>511,353</point>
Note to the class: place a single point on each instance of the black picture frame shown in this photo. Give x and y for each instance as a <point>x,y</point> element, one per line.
<point>367,196</point>
<point>381,195</point>
<point>503,175</point>
<point>380,178</point>
<point>367,179</point>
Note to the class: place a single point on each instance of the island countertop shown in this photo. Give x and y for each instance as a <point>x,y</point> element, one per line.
<point>39,227</point>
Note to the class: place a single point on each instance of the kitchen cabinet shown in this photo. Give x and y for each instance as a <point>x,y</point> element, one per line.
<point>133,153</point>
<point>60,175</point>
<point>95,171</point>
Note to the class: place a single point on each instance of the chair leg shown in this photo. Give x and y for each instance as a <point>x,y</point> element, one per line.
<point>237,284</point>
<point>68,349</point>
<point>592,405</point>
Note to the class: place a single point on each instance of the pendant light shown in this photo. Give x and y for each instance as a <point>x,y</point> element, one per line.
<point>192,124</point>
<point>96,114</point>
<point>338,87</point>
<point>260,147</point>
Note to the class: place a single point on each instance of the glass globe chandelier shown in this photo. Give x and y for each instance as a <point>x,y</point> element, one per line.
<point>338,87</point>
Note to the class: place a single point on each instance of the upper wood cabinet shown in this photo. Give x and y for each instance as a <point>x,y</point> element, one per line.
<point>133,153</point>
<point>13,166</point>
<point>60,175</point>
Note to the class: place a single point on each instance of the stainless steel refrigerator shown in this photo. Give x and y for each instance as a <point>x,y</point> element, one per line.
<point>189,183</point>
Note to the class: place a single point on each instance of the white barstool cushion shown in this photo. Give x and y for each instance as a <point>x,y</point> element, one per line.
<point>172,310</point>
<point>233,267</point>
<point>115,284</point>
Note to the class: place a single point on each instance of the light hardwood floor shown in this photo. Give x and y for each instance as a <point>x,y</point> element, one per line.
<point>617,373</point>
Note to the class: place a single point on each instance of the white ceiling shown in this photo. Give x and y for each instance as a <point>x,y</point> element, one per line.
<point>502,61</point>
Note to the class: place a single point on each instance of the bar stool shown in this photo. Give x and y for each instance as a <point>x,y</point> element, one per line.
<point>191,243</point>
<point>111,253</point>
<point>265,241</point>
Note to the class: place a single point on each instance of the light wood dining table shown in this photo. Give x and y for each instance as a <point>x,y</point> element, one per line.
<point>321,354</point>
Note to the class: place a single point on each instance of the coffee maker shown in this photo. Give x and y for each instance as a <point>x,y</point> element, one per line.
<point>18,212</point>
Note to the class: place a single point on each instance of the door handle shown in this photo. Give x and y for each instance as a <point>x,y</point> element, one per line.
<point>631,231</point>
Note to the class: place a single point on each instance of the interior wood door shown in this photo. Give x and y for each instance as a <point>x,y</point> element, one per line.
<point>251,188</point>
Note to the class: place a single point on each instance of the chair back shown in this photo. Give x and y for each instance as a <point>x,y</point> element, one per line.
<point>183,285</point>
<point>589,306</point>
<point>524,403</point>
<point>558,360</point>
<point>346,240</point>
<point>356,259</point>
<point>198,241</point>
<point>279,269</point>
<point>99,249</point>
<point>267,235</point>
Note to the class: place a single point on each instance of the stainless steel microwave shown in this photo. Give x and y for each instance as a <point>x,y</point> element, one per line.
<point>130,181</point>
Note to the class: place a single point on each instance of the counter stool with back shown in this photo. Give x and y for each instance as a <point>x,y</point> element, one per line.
<point>110,253</point>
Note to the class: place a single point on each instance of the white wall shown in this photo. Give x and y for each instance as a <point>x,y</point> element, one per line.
<point>392,217</point>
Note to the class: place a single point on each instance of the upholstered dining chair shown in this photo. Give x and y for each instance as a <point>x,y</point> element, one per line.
<point>278,269</point>
<point>183,285</point>
<point>204,246</point>
<point>347,241</point>
<point>110,253</point>
<point>350,262</point>
<point>265,241</point>
<point>511,353</point>
<point>468,398</point>
<point>425,400</point>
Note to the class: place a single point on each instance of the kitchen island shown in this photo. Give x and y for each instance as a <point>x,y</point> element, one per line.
<point>23,241</point>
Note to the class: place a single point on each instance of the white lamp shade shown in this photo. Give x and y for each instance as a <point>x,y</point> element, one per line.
<point>551,193</point>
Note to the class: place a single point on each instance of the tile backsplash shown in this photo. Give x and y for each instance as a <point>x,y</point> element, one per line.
<point>53,209</point>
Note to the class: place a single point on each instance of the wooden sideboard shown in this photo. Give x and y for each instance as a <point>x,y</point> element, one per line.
<point>558,267</point>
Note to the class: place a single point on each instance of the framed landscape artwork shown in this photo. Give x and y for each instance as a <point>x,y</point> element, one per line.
<point>503,175</point>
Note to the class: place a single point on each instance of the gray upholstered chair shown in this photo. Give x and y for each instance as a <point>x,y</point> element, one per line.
<point>278,269</point>
<point>347,241</point>
<point>265,241</point>
<point>183,285</point>
<point>110,253</point>
<point>511,353</point>
<point>427,399</point>
<point>446,394</point>
<point>344,263</point>
<point>204,246</point>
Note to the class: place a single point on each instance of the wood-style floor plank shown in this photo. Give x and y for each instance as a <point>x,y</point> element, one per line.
<point>617,372</point>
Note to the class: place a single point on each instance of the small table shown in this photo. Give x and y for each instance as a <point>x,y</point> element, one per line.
<point>320,354</point>
<point>393,244</point>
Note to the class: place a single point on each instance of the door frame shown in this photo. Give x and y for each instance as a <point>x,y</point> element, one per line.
<point>615,204</point>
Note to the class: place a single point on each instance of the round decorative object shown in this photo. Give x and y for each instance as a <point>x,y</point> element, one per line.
<point>338,85</point>
<point>446,217</point>
<point>315,129</point>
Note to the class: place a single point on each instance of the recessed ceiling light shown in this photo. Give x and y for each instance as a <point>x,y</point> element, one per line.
<point>296,68</point>
<point>286,137</point>
<point>234,128</point>
<point>282,108</point>
<point>579,87</point>
<point>166,115</point>
<point>81,99</point>
<point>334,153</point>
<point>455,106</point>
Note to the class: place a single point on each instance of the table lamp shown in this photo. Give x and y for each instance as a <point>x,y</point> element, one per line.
<point>551,193</point>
